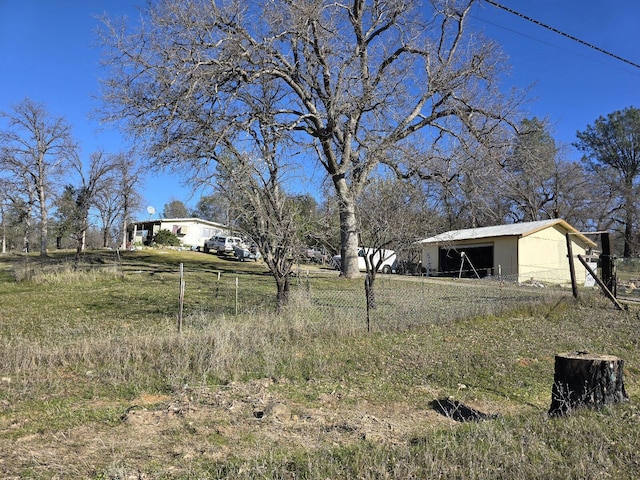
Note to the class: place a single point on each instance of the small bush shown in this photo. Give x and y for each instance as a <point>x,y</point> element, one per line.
<point>165,237</point>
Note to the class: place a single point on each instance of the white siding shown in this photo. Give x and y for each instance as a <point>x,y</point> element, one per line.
<point>537,250</point>
<point>543,256</point>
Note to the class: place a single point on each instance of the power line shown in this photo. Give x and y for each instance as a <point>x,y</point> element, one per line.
<point>559,32</point>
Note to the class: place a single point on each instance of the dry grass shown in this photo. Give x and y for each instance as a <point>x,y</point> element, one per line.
<point>96,383</point>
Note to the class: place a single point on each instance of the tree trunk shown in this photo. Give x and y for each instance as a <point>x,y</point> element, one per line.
<point>124,230</point>
<point>27,231</point>
<point>44,216</point>
<point>370,296</point>
<point>4,230</point>
<point>348,230</point>
<point>282,296</point>
<point>585,379</point>
<point>369,282</point>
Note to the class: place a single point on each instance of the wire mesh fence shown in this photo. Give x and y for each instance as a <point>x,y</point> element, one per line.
<point>403,301</point>
<point>628,279</point>
<point>319,295</point>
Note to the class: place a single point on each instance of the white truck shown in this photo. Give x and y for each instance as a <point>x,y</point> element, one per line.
<point>388,265</point>
<point>221,244</point>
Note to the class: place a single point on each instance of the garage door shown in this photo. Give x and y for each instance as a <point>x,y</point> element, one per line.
<point>466,261</point>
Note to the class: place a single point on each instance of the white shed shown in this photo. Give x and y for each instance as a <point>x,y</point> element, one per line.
<point>518,252</point>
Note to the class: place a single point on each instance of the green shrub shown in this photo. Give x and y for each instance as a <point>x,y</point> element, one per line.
<point>165,237</point>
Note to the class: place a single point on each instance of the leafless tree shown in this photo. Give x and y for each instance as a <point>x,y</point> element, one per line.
<point>577,198</point>
<point>251,175</point>
<point>36,146</point>
<point>526,178</point>
<point>358,79</point>
<point>393,214</point>
<point>128,178</point>
<point>261,208</point>
<point>108,207</point>
<point>4,200</point>
<point>93,180</point>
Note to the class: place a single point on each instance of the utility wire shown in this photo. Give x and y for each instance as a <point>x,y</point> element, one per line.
<point>559,32</point>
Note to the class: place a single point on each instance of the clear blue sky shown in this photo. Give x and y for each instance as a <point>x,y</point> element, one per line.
<point>48,53</point>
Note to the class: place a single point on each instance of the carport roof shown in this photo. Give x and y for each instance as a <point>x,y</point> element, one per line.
<point>514,229</point>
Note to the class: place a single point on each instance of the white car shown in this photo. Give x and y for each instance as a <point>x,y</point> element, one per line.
<point>388,265</point>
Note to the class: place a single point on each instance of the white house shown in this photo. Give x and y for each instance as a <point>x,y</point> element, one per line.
<point>520,252</point>
<point>192,232</point>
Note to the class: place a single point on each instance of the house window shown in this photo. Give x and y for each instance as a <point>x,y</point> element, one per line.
<point>209,232</point>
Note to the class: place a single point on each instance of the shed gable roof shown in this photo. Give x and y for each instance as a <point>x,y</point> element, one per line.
<point>510,230</point>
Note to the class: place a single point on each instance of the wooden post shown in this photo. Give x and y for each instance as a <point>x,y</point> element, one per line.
<point>585,379</point>
<point>604,288</point>
<point>606,263</point>
<point>572,268</point>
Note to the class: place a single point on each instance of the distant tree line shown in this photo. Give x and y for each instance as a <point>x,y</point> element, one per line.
<point>51,196</point>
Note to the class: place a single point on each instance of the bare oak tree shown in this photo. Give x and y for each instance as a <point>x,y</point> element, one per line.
<point>95,179</point>
<point>263,211</point>
<point>4,204</point>
<point>128,177</point>
<point>250,174</point>
<point>357,79</point>
<point>108,206</point>
<point>35,147</point>
<point>393,214</point>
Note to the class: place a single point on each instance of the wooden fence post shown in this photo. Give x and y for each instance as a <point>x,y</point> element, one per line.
<point>572,268</point>
<point>604,288</point>
<point>606,263</point>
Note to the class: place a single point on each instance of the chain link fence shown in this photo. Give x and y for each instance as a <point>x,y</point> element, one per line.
<point>319,295</point>
<point>404,301</point>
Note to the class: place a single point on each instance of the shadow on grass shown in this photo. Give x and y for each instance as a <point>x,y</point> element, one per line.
<point>459,412</point>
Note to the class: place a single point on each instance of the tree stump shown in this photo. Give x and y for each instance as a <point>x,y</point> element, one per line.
<point>586,379</point>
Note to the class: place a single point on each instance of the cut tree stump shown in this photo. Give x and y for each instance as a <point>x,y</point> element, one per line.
<point>586,379</point>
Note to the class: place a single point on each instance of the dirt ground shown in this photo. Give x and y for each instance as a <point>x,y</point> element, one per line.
<point>240,420</point>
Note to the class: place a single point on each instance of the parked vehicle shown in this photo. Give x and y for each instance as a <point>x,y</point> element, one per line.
<point>244,252</point>
<point>388,265</point>
<point>221,244</point>
<point>311,255</point>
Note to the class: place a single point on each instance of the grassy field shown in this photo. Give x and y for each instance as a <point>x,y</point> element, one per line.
<point>97,383</point>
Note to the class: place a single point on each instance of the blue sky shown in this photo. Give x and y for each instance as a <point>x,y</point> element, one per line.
<point>48,53</point>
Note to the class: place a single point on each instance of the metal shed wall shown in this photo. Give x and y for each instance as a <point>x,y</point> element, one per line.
<point>543,256</point>
<point>540,255</point>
